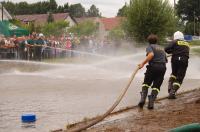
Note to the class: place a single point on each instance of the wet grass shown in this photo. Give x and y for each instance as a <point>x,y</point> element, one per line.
<point>195,43</point>
<point>196,51</point>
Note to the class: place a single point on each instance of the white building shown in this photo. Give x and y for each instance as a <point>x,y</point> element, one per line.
<point>6,15</point>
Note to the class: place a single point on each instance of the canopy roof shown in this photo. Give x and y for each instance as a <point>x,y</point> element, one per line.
<point>8,29</point>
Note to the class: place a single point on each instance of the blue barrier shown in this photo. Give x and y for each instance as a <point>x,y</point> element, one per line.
<point>188,37</point>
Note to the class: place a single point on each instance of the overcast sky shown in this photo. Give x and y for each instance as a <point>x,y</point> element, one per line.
<point>108,8</point>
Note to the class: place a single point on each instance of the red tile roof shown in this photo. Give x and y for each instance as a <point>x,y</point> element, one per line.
<point>110,23</point>
<point>83,19</point>
<point>41,18</point>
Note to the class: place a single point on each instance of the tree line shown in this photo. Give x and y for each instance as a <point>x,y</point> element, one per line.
<point>187,13</point>
<point>43,7</point>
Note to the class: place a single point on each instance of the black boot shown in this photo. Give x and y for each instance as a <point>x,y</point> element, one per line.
<point>143,98</point>
<point>152,98</point>
<point>172,93</point>
<point>170,83</point>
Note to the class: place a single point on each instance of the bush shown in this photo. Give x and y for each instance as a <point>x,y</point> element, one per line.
<point>85,28</point>
<point>55,28</point>
<point>116,34</point>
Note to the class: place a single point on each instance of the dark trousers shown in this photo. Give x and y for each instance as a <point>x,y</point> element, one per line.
<point>179,68</point>
<point>38,53</point>
<point>31,53</point>
<point>22,53</point>
<point>154,75</point>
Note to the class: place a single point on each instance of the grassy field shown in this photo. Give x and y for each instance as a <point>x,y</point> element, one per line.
<point>195,43</point>
<point>196,51</point>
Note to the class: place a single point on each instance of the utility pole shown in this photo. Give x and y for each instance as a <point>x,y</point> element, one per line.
<point>198,20</point>
<point>2,11</point>
<point>174,4</point>
<point>194,23</point>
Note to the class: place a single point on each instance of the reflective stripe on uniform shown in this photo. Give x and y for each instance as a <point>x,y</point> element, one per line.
<point>145,85</point>
<point>172,76</point>
<point>183,43</point>
<point>178,84</point>
<point>156,89</point>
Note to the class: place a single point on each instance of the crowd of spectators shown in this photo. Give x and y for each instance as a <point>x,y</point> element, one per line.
<point>37,47</point>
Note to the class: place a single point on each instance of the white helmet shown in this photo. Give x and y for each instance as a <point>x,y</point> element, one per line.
<point>178,35</point>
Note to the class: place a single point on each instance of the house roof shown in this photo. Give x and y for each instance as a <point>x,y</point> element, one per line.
<point>42,18</point>
<point>83,19</point>
<point>110,23</point>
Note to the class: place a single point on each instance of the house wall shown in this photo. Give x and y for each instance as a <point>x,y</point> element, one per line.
<point>70,20</point>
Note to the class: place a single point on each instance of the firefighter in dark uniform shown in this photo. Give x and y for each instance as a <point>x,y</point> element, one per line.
<point>155,71</point>
<point>179,62</point>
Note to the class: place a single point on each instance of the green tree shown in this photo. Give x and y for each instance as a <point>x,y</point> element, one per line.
<point>93,11</point>
<point>84,28</point>
<point>55,28</point>
<point>52,5</point>
<point>66,7</point>
<point>38,29</point>
<point>116,34</point>
<point>22,8</point>
<point>32,27</point>
<point>122,11</point>
<point>77,10</point>
<point>189,29</point>
<point>188,9</point>
<point>149,16</point>
<point>60,9</point>
<point>43,7</point>
<point>50,17</point>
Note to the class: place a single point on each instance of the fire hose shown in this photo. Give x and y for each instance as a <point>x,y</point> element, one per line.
<point>100,118</point>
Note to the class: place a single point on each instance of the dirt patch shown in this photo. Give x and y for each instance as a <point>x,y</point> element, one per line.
<point>167,114</point>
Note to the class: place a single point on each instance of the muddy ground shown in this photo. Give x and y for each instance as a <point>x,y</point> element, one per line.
<point>167,114</point>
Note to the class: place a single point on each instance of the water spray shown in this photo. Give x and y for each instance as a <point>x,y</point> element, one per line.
<point>100,118</point>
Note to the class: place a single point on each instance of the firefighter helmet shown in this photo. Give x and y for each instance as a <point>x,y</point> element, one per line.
<point>178,35</point>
